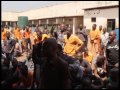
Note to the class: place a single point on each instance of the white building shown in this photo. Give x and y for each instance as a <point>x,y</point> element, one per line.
<point>75,13</point>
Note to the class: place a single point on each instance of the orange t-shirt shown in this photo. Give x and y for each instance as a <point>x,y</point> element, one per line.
<point>93,34</point>
<point>16,32</point>
<point>27,34</point>
<point>3,35</point>
<point>19,35</point>
<point>71,45</point>
<point>88,57</point>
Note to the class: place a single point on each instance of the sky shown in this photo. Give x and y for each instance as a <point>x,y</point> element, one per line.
<point>18,6</point>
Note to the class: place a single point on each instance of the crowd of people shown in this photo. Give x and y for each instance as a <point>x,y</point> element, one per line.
<point>84,60</point>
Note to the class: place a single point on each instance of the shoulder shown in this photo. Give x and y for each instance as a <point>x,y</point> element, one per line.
<point>62,62</point>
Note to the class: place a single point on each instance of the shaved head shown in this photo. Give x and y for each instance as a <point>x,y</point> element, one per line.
<point>112,36</point>
<point>100,27</point>
<point>50,47</point>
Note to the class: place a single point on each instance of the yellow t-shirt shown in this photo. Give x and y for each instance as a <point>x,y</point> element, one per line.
<point>93,34</point>
<point>72,45</point>
<point>88,57</point>
<point>44,36</point>
<point>16,32</point>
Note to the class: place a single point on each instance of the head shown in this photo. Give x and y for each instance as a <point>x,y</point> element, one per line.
<point>104,30</point>
<point>8,35</point>
<point>2,29</point>
<point>79,56</point>
<point>94,26</point>
<point>23,28</point>
<point>39,35</point>
<point>62,31</point>
<point>50,47</point>
<point>86,82</point>
<point>16,27</point>
<point>81,27</point>
<point>114,74</point>
<point>101,49</point>
<point>6,62</point>
<point>112,36</point>
<point>14,63</point>
<point>27,28</point>
<point>69,32</point>
<point>100,27</point>
<point>100,60</point>
<point>86,51</point>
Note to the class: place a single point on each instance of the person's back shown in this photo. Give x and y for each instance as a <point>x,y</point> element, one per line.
<point>53,75</point>
<point>54,72</point>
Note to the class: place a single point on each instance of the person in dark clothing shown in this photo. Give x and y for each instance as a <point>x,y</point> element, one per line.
<point>83,36</point>
<point>68,59</point>
<point>112,82</point>
<point>83,63</point>
<point>37,57</point>
<point>54,73</point>
<point>99,70</point>
<point>9,46</point>
<point>76,72</point>
<point>112,51</point>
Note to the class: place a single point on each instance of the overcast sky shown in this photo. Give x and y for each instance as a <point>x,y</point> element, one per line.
<point>18,6</point>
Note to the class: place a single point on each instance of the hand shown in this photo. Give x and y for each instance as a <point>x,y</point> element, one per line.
<point>117,65</point>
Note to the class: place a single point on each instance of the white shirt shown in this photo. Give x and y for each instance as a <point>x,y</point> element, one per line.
<point>104,38</point>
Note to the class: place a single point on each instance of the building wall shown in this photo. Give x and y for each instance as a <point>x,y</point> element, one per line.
<point>74,8</point>
<point>9,16</point>
<point>101,17</point>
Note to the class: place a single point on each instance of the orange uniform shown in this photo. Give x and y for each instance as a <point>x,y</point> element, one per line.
<point>88,57</point>
<point>27,34</point>
<point>94,36</point>
<point>72,45</point>
<point>19,35</point>
<point>16,32</point>
<point>98,36</point>
<point>3,35</point>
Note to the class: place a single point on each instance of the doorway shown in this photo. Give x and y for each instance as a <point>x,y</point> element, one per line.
<point>110,24</point>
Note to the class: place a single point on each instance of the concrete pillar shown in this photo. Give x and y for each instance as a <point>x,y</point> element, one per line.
<point>56,21</point>
<point>39,22</point>
<point>32,22</point>
<point>74,23</point>
<point>47,21</point>
<point>6,23</point>
<point>63,20</point>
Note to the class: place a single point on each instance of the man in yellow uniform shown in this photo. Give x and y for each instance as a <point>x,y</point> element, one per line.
<point>94,35</point>
<point>72,44</point>
<point>16,30</point>
<point>87,56</point>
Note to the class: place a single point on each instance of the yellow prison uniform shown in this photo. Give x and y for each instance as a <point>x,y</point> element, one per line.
<point>72,45</point>
<point>88,57</point>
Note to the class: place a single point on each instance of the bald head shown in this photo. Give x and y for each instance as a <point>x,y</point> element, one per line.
<point>100,27</point>
<point>94,26</point>
<point>50,47</point>
<point>112,36</point>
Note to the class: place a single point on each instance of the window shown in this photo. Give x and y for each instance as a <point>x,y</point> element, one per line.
<point>93,19</point>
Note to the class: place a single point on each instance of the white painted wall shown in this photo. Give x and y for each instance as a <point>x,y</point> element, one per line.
<point>101,17</point>
<point>74,8</point>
